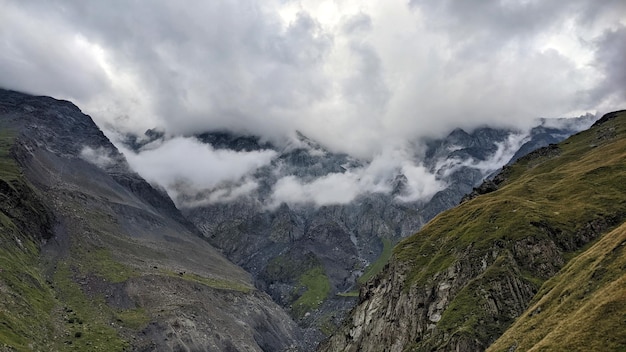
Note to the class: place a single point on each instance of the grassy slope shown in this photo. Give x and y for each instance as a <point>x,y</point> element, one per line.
<point>316,288</point>
<point>555,196</point>
<point>27,301</point>
<point>583,308</point>
<point>39,313</point>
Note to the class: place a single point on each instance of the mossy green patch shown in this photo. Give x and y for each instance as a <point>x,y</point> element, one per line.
<point>135,319</point>
<point>378,265</point>
<point>99,262</point>
<point>27,301</point>
<point>289,266</point>
<point>8,168</point>
<point>89,320</point>
<point>315,286</point>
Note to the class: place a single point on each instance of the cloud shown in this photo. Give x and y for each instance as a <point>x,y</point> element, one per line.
<point>226,194</point>
<point>53,59</point>
<point>421,185</point>
<point>186,167</point>
<point>368,78</point>
<point>352,75</point>
<point>610,53</point>
<point>335,188</point>
<point>376,176</point>
<point>504,152</point>
<point>100,157</point>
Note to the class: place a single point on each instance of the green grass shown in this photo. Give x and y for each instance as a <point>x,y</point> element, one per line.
<point>378,265</point>
<point>566,198</point>
<point>583,308</point>
<point>354,293</point>
<point>316,288</point>
<point>26,300</point>
<point>8,169</point>
<point>99,262</point>
<point>37,314</point>
<point>88,320</point>
<point>135,319</point>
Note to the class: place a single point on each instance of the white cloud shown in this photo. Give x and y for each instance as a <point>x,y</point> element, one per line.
<point>361,77</point>
<point>354,75</point>
<point>376,176</point>
<point>100,157</point>
<point>186,167</point>
<point>330,189</point>
<point>421,184</point>
<point>504,152</point>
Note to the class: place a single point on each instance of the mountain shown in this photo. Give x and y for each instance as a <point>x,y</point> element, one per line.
<point>94,258</point>
<point>533,261</point>
<point>311,258</point>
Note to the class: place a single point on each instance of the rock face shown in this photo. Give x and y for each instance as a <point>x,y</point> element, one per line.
<point>103,261</point>
<point>344,239</point>
<point>461,281</point>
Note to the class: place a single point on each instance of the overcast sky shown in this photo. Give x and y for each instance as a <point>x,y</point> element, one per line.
<point>353,75</point>
<point>364,77</point>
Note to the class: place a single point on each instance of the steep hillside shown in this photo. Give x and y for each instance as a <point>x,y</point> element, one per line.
<point>467,275</point>
<point>94,258</point>
<point>583,308</point>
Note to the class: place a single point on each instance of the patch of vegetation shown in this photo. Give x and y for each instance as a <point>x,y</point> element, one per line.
<point>354,293</point>
<point>377,266</point>
<point>8,169</point>
<point>99,262</point>
<point>289,267</point>
<point>135,319</point>
<point>27,301</point>
<point>582,308</point>
<point>88,320</point>
<point>315,286</point>
<point>327,325</point>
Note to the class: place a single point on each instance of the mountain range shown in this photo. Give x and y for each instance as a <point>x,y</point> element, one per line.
<point>311,257</point>
<point>94,257</point>
<point>534,262</point>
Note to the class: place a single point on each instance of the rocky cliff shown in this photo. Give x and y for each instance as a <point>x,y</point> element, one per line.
<point>459,283</point>
<point>94,258</point>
